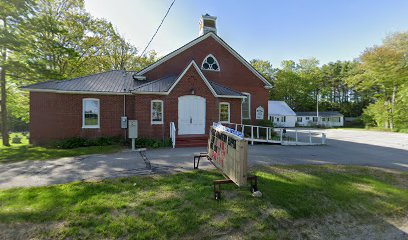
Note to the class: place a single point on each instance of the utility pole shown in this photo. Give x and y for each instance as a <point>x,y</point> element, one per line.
<point>317,106</point>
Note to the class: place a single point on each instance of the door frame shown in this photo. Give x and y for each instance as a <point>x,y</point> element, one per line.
<point>178,113</point>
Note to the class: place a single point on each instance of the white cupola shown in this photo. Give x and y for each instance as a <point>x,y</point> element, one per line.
<point>207,24</point>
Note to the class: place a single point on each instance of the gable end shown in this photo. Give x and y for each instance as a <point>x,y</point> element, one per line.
<point>199,39</point>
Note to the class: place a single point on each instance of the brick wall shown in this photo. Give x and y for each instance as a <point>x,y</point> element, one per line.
<point>232,72</point>
<point>191,80</point>
<point>57,116</point>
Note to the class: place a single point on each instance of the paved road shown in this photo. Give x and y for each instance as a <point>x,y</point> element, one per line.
<point>367,148</point>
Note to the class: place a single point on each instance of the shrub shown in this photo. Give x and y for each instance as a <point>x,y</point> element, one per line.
<point>358,122</point>
<point>152,143</point>
<point>262,131</point>
<point>77,142</point>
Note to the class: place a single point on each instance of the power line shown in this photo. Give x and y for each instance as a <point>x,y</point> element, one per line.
<point>168,10</point>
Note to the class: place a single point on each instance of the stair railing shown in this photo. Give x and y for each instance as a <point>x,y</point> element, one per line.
<point>173,134</point>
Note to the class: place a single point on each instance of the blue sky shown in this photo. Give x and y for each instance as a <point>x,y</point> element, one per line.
<point>271,30</point>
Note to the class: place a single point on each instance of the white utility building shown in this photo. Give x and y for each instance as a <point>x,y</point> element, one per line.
<point>281,114</point>
<point>325,119</point>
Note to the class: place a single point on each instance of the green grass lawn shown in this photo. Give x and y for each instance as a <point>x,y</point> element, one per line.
<point>298,202</point>
<point>24,151</point>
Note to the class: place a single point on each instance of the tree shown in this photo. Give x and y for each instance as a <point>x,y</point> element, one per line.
<point>55,40</point>
<point>384,72</point>
<point>297,84</point>
<point>13,18</point>
<point>265,68</point>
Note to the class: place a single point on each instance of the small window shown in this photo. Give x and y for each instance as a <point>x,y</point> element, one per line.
<point>323,119</point>
<point>224,112</point>
<point>157,111</point>
<point>314,119</point>
<point>246,106</point>
<point>284,119</point>
<point>210,63</point>
<point>299,119</point>
<point>307,118</point>
<point>277,119</point>
<point>90,113</point>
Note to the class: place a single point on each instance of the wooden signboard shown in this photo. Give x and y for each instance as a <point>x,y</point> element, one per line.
<point>229,152</point>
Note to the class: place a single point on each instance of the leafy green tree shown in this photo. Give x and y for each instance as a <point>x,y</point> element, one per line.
<point>13,38</point>
<point>53,40</point>
<point>265,68</point>
<point>384,72</point>
<point>336,94</point>
<point>297,84</point>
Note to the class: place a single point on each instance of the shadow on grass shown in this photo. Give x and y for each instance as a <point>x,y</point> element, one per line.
<point>182,204</point>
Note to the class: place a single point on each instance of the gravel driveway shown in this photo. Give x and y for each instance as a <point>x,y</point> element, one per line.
<point>365,148</point>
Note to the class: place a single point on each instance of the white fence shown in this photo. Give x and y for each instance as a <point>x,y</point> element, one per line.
<point>281,136</point>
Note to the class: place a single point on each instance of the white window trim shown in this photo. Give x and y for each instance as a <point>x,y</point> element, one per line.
<point>229,112</point>
<point>83,113</point>
<point>151,111</point>
<point>216,61</point>
<point>249,105</point>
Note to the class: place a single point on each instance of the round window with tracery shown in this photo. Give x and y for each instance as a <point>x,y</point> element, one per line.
<point>210,63</point>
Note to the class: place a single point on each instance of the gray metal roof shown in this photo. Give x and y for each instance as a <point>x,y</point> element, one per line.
<point>321,114</point>
<point>119,81</point>
<point>159,85</point>
<point>224,91</point>
<point>115,81</point>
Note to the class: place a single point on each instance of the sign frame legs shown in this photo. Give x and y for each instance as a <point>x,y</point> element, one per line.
<point>253,180</point>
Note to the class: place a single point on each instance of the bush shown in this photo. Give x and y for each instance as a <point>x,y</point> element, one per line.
<point>77,142</point>
<point>152,143</point>
<point>262,131</point>
<point>358,122</point>
<point>264,123</point>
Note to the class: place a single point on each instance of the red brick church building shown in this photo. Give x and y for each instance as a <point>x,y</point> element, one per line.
<point>202,82</point>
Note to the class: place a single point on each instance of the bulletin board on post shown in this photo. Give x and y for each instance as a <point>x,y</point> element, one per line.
<point>228,151</point>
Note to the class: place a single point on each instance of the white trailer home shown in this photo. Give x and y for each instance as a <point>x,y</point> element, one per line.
<point>325,119</point>
<point>281,114</point>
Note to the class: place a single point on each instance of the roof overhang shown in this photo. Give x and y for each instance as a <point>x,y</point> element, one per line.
<point>75,92</point>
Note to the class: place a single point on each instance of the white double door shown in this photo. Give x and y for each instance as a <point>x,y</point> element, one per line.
<point>191,115</point>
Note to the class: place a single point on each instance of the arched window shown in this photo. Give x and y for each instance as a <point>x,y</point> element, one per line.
<point>210,63</point>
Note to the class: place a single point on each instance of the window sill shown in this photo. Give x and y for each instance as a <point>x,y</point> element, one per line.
<point>157,123</point>
<point>90,127</point>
